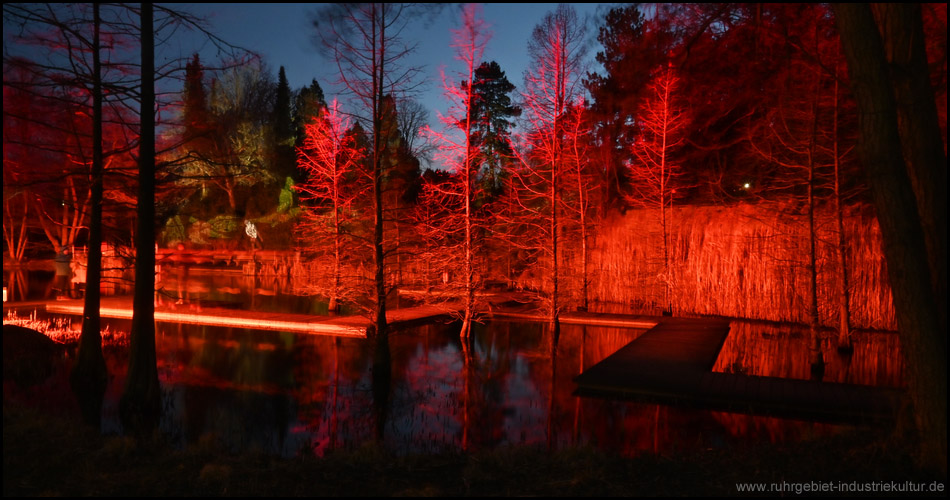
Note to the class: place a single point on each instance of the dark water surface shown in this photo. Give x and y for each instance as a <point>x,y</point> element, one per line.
<point>423,391</point>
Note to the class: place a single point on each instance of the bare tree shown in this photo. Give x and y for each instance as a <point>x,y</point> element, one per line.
<point>581,189</point>
<point>331,159</point>
<point>365,42</point>
<point>413,117</point>
<point>458,152</point>
<point>654,172</point>
<point>89,376</point>
<point>140,405</point>
<point>74,34</point>
<point>556,47</point>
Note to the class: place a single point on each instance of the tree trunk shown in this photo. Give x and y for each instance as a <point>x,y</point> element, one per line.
<point>89,376</point>
<point>380,326</point>
<point>919,128</point>
<point>844,293</point>
<point>334,305</point>
<point>923,341</point>
<point>817,361</point>
<point>140,406</point>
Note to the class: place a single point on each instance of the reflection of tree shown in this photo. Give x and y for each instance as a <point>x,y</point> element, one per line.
<point>17,284</point>
<point>382,379</point>
<point>771,350</point>
<point>553,394</point>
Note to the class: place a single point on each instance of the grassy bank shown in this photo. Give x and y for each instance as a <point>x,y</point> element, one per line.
<point>47,456</point>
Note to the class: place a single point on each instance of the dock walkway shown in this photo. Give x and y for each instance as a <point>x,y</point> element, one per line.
<point>672,363</point>
<point>345,326</point>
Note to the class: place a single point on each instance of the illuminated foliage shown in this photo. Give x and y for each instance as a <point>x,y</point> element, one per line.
<point>551,86</point>
<point>365,41</point>
<point>653,172</point>
<point>333,185</point>
<point>460,224</point>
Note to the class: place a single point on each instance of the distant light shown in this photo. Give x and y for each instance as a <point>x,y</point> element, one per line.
<point>746,185</point>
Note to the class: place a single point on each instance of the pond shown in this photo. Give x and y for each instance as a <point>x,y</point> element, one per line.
<point>287,393</point>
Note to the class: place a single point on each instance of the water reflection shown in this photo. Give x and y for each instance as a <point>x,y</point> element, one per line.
<point>424,391</point>
<point>776,350</point>
<point>421,392</point>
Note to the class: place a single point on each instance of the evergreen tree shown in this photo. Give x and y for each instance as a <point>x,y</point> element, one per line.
<point>628,56</point>
<point>308,103</point>
<point>491,121</point>
<point>195,111</point>
<point>285,164</point>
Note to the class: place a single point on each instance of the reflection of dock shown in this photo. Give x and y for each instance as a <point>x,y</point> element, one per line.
<point>346,326</point>
<point>672,363</point>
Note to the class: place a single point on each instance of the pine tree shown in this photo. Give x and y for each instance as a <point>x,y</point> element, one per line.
<point>308,103</point>
<point>285,164</point>
<point>629,54</point>
<point>491,122</point>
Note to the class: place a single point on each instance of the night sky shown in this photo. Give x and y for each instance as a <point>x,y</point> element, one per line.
<point>282,34</point>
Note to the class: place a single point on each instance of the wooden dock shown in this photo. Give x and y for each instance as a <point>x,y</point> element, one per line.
<point>672,363</point>
<point>583,318</point>
<point>345,326</point>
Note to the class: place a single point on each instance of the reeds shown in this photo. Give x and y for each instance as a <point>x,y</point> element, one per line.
<point>743,261</point>
<point>64,330</point>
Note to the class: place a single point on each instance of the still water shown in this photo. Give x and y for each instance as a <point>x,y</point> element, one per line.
<point>286,393</point>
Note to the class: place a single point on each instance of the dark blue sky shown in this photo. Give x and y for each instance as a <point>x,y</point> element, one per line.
<point>282,34</point>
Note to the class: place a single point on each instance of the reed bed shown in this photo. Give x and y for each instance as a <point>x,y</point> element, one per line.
<point>745,260</point>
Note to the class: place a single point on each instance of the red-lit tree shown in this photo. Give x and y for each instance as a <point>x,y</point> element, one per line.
<point>48,158</point>
<point>654,172</point>
<point>582,190</point>
<point>461,224</point>
<point>331,159</point>
<point>556,48</point>
<point>364,40</point>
